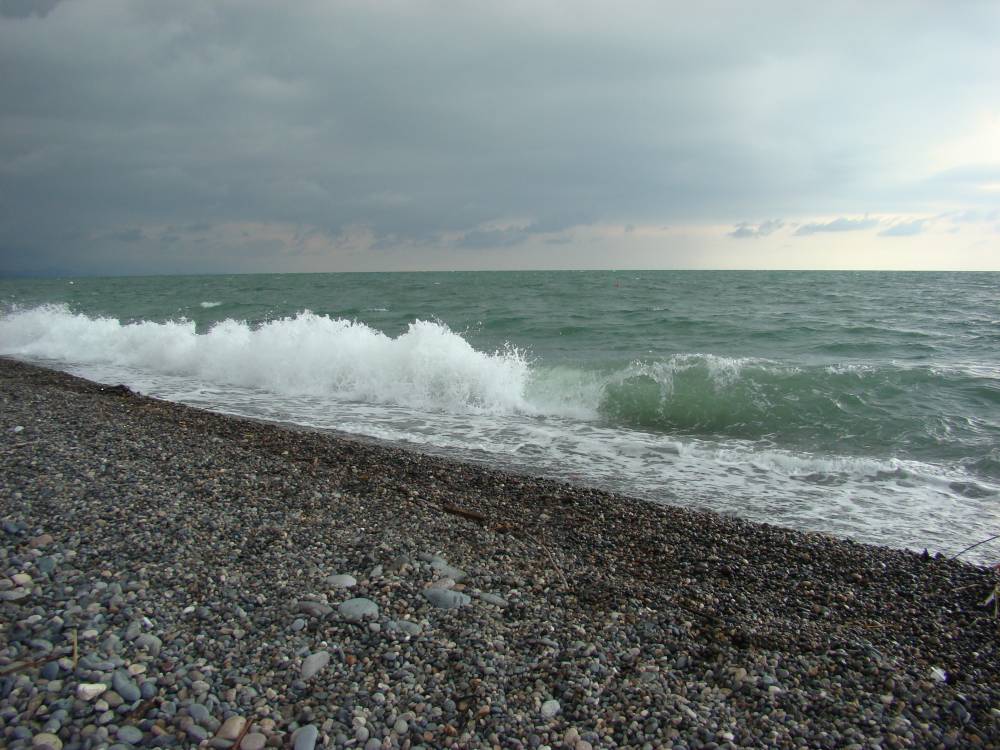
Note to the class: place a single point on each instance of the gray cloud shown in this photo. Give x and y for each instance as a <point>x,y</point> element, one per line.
<point>905,228</point>
<point>746,230</point>
<point>26,8</point>
<point>840,224</point>
<point>419,120</point>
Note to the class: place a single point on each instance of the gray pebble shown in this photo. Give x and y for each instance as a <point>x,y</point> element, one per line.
<point>305,737</point>
<point>358,609</point>
<point>314,663</point>
<point>446,598</point>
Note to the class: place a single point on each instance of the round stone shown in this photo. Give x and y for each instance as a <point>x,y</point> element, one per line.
<point>131,735</point>
<point>305,738</point>
<point>253,741</point>
<point>342,581</point>
<point>314,663</point>
<point>231,728</point>
<point>46,741</point>
<point>446,598</point>
<point>550,708</point>
<point>358,609</point>
<point>87,691</point>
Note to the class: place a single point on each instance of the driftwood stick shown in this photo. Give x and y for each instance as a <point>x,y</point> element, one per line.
<point>21,666</point>
<point>472,515</point>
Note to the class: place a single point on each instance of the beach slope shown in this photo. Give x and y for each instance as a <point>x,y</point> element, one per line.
<point>170,577</point>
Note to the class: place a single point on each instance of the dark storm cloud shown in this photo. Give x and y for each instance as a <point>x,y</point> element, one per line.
<point>840,224</point>
<point>423,120</point>
<point>26,8</point>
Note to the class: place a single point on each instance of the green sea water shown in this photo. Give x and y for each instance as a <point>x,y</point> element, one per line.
<point>862,404</point>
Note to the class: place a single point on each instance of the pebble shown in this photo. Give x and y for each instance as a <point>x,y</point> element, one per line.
<point>88,691</point>
<point>342,581</point>
<point>46,741</point>
<point>125,686</point>
<point>305,737</point>
<point>231,728</point>
<point>253,741</point>
<point>314,663</point>
<point>550,708</point>
<point>130,734</point>
<point>358,609</point>
<point>446,598</point>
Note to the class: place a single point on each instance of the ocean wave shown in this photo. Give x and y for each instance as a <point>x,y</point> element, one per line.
<point>427,366</point>
<point>870,408</point>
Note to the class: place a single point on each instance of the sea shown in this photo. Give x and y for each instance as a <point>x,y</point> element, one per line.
<point>864,405</point>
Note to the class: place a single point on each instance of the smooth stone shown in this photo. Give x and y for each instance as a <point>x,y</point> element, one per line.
<point>305,737</point>
<point>298,624</point>
<point>314,609</point>
<point>125,686</point>
<point>50,671</point>
<point>150,643</point>
<point>342,581</point>
<point>448,571</point>
<point>446,598</point>
<point>46,741</point>
<point>253,741</point>
<point>197,732</point>
<point>87,691</point>
<point>496,601</point>
<point>131,735</point>
<point>550,708</point>
<point>199,713</point>
<point>314,663</point>
<point>406,626</point>
<point>231,728</point>
<point>358,609</point>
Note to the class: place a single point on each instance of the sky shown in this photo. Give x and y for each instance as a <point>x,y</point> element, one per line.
<point>138,136</point>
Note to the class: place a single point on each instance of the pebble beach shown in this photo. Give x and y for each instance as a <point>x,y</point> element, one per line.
<point>171,577</point>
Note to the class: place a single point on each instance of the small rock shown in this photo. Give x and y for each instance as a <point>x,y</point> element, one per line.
<point>125,686</point>
<point>314,609</point>
<point>358,609</point>
<point>550,708</point>
<point>445,570</point>
<point>446,598</point>
<point>87,691</point>
<point>131,735</point>
<point>46,741</point>
<point>342,581</point>
<point>496,601</point>
<point>231,728</point>
<point>149,643</point>
<point>314,663</point>
<point>42,540</point>
<point>253,741</point>
<point>305,737</point>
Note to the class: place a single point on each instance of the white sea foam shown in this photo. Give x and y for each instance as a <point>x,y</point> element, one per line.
<point>208,305</point>
<point>430,387</point>
<point>428,366</point>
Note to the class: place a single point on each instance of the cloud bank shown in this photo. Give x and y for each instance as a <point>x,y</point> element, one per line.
<point>419,126</point>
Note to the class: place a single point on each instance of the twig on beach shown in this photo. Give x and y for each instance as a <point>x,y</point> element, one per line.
<point>472,515</point>
<point>21,666</point>
<point>973,546</point>
<point>242,734</point>
<point>552,559</point>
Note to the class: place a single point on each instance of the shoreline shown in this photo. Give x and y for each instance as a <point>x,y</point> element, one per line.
<point>725,632</point>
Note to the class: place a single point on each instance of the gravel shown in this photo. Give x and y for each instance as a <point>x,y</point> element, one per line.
<point>165,581</point>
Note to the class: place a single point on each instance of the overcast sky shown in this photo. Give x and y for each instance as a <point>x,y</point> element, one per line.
<point>165,137</point>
